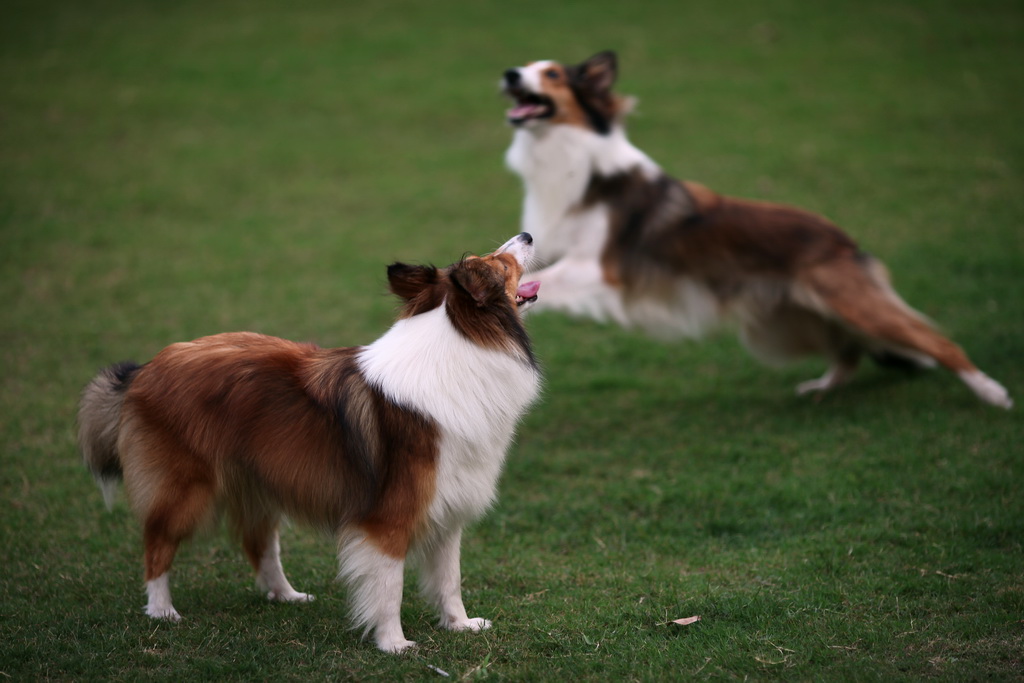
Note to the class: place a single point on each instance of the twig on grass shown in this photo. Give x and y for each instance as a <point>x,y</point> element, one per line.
<point>707,660</point>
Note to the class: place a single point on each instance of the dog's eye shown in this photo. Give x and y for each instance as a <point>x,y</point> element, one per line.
<point>552,74</point>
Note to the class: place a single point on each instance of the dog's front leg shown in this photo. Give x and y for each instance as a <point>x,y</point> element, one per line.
<point>441,583</point>
<point>577,286</point>
<point>375,580</point>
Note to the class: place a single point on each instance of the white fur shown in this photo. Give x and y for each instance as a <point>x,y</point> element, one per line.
<point>375,582</point>
<point>441,580</point>
<point>159,604</point>
<point>108,487</point>
<point>477,397</point>
<point>474,394</point>
<point>575,285</point>
<point>986,388</point>
<point>271,578</point>
<point>836,375</point>
<point>555,163</point>
<point>521,247</point>
<point>531,74</point>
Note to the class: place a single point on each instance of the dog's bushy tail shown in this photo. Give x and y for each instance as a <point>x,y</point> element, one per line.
<point>99,420</point>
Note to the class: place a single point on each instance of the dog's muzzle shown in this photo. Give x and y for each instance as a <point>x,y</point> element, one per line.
<point>529,105</point>
<point>521,247</point>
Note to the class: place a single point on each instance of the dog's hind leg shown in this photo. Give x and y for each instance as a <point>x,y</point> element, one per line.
<point>842,368</point>
<point>785,330</point>
<point>844,352</point>
<point>873,309</point>
<point>262,545</point>
<point>174,517</point>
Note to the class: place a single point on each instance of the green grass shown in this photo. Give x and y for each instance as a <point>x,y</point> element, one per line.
<point>173,170</point>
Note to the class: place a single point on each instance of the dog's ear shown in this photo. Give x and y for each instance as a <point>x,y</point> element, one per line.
<point>407,281</point>
<point>473,279</point>
<point>599,72</point>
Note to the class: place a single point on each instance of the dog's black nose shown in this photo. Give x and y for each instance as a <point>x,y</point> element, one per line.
<point>512,77</point>
<point>526,237</point>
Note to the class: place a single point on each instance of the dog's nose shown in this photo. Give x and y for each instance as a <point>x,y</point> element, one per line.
<point>512,77</point>
<point>526,237</point>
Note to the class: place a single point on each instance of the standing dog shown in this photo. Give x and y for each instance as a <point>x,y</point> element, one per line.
<point>394,447</point>
<point>628,243</point>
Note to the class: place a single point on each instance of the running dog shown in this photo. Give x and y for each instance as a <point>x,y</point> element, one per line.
<point>624,242</point>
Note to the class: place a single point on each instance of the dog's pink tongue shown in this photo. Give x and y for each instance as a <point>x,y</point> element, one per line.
<point>523,111</point>
<point>528,290</point>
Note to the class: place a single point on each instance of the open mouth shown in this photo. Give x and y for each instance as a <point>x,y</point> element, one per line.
<point>528,106</point>
<point>527,293</point>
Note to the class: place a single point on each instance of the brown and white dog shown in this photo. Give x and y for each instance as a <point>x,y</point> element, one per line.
<point>624,242</point>
<point>394,447</point>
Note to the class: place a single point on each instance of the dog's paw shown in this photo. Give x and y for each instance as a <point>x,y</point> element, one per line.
<point>477,624</point>
<point>168,613</point>
<point>814,386</point>
<point>290,596</point>
<point>395,646</point>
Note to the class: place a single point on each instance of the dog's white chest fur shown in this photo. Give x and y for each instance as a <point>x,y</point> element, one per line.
<point>476,395</point>
<point>556,164</point>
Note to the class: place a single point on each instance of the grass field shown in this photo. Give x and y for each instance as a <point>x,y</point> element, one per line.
<point>169,170</point>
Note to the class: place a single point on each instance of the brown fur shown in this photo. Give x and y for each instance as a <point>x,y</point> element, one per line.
<point>825,297</point>
<point>258,426</point>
